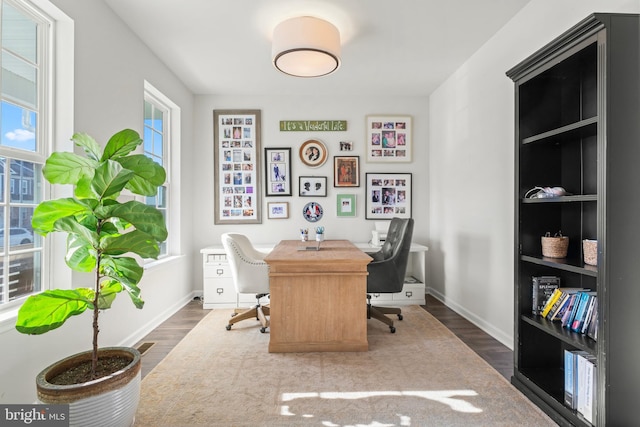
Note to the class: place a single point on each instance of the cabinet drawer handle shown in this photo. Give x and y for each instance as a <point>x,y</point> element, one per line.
<point>220,272</point>
<point>376,295</point>
<point>220,291</point>
<point>409,294</point>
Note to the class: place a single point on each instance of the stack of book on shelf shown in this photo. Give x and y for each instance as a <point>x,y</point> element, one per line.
<point>575,308</point>
<point>580,383</point>
<point>543,288</point>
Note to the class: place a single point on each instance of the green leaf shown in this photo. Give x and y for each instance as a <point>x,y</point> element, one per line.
<point>109,179</point>
<point>109,289</point>
<point>50,309</point>
<point>47,213</point>
<point>123,269</point>
<point>109,228</point>
<point>134,294</point>
<point>84,190</point>
<point>75,228</point>
<point>143,217</point>
<point>127,272</point>
<point>148,174</point>
<point>121,144</point>
<point>136,242</point>
<point>67,168</point>
<point>88,144</point>
<point>81,256</point>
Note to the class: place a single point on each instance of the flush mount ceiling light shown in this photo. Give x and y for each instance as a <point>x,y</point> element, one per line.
<point>306,47</point>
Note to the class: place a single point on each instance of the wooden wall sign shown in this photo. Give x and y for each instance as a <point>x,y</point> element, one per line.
<point>313,125</point>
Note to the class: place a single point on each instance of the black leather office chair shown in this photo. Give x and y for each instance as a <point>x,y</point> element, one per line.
<point>388,269</point>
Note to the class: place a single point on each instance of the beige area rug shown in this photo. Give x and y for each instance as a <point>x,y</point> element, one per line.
<point>422,375</point>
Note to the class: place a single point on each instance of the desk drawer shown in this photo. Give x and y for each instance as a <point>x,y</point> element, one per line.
<point>221,270</point>
<point>411,293</point>
<point>217,291</point>
<point>380,297</point>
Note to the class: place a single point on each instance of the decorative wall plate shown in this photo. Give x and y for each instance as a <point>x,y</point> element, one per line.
<point>313,153</point>
<point>312,212</point>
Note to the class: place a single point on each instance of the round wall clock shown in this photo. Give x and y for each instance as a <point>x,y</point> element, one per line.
<point>312,212</point>
<point>313,153</point>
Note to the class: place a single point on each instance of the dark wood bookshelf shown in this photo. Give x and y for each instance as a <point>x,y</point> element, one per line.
<point>577,106</point>
<point>575,265</point>
<point>580,128</point>
<point>575,339</point>
<point>564,199</point>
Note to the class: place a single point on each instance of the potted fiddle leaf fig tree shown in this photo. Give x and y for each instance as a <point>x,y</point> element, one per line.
<point>105,237</point>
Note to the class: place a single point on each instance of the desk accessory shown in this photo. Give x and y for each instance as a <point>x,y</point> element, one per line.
<point>379,235</point>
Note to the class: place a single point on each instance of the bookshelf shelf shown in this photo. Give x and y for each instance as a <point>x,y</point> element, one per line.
<point>565,199</point>
<point>581,128</point>
<point>574,339</point>
<point>574,265</point>
<point>577,109</point>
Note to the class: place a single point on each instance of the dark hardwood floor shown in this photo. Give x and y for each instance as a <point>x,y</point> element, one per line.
<point>168,334</point>
<point>499,356</point>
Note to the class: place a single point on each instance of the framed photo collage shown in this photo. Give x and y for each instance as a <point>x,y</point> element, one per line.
<point>237,164</point>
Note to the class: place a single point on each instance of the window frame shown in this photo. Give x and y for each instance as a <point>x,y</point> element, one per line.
<point>170,151</point>
<point>55,89</point>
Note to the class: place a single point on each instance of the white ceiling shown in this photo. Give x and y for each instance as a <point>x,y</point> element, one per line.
<point>402,47</point>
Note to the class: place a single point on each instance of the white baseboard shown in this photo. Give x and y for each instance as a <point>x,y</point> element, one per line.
<point>139,334</point>
<point>499,335</point>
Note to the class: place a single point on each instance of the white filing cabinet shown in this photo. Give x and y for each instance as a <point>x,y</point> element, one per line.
<point>218,288</point>
<point>219,291</point>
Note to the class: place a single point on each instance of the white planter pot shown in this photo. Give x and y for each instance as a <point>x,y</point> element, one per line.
<point>110,401</point>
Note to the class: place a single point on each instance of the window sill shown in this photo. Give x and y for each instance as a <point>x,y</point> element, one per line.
<point>162,261</point>
<point>8,319</point>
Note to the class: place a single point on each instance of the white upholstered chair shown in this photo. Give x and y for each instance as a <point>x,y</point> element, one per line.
<point>250,276</point>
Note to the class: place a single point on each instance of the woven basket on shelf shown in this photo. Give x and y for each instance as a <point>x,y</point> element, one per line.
<point>590,250</point>
<point>555,247</point>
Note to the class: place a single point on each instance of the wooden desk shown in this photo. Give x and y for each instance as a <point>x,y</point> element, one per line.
<point>318,298</point>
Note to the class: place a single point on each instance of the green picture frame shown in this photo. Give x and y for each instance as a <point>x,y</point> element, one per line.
<point>346,205</point>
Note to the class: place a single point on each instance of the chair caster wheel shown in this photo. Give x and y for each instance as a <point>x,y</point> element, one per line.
<point>263,330</point>
<point>399,316</point>
<point>228,327</point>
<point>392,329</point>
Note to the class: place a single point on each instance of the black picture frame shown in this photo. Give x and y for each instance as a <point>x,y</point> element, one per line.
<point>277,167</point>
<point>388,195</point>
<point>312,186</point>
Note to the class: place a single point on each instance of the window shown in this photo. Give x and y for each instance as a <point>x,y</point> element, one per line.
<point>161,137</point>
<point>157,138</point>
<point>25,41</point>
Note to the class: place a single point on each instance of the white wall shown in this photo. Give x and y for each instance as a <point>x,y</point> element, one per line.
<point>471,165</point>
<point>276,108</point>
<point>111,65</point>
